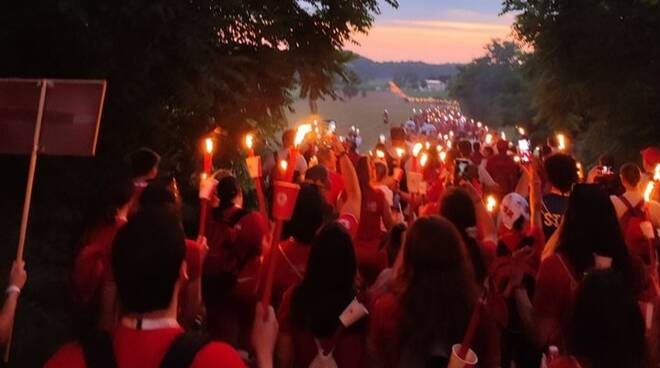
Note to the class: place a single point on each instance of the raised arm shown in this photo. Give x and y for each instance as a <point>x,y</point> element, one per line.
<point>352,204</point>
<point>17,279</point>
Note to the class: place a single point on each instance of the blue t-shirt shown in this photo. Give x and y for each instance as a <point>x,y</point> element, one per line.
<point>552,211</point>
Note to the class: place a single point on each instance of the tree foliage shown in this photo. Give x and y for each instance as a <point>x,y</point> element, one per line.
<point>596,69</point>
<point>493,88</point>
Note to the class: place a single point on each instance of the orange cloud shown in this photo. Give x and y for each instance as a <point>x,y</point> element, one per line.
<point>433,41</point>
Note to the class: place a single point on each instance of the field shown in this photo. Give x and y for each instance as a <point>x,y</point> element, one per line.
<point>365,113</point>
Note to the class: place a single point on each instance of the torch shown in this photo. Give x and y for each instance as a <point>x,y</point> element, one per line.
<point>204,199</point>
<point>254,168</point>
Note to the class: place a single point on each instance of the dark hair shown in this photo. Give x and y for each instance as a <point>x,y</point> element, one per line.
<point>381,170</point>
<point>502,146</point>
<point>561,171</point>
<point>394,242</point>
<point>115,193</point>
<point>142,161</point>
<point>310,213</point>
<point>228,189</point>
<point>465,148</point>
<point>146,259</point>
<point>606,159</point>
<point>158,193</point>
<point>457,207</point>
<point>476,146</point>
<point>489,151</point>
<point>288,137</point>
<point>437,287</point>
<point>329,283</point>
<point>630,174</point>
<point>606,327</point>
<point>590,226</point>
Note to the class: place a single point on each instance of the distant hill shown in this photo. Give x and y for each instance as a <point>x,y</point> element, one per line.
<point>367,69</point>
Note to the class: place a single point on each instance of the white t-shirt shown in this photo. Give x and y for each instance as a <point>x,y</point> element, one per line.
<point>301,164</point>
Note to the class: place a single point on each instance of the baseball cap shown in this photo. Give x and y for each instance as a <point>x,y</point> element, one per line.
<point>513,206</point>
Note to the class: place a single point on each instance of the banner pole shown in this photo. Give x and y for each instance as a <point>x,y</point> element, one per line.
<point>28,190</point>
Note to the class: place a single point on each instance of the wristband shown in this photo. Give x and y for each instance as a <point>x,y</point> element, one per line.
<point>13,289</point>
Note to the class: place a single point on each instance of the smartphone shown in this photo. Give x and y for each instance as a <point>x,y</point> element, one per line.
<point>460,168</point>
<point>606,170</point>
<point>523,150</point>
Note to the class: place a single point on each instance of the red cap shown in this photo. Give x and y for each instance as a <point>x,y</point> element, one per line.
<point>651,155</point>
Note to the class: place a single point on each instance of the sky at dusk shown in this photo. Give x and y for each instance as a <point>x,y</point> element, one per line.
<point>434,31</point>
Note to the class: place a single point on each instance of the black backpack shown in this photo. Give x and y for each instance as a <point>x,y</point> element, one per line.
<point>99,353</point>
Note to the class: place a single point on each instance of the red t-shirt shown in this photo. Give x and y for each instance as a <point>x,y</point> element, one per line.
<point>565,362</point>
<point>384,324</point>
<point>146,349</point>
<point>554,295</point>
<point>504,171</point>
<point>370,216</point>
<point>92,267</point>
<point>350,223</point>
<point>291,267</point>
<point>349,348</point>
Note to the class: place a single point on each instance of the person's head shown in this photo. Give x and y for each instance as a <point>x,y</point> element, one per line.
<point>148,260</point>
<point>476,146</point>
<point>381,170</point>
<point>318,175</point>
<point>514,212</point>
<point>309,214</point>
<point>606,328</point>
<point>229,193</point>
<point>327,158</point>
<point>650,158</point>
<point>329,283</point>
<point>366,173</point>
<point>502,147</point>
<point>457,207</point>
<point>488,151</point>
<point>113,201</point>
<point>589,227</point>
<point>630,176</point>
<point>561,171</point>
<point>159,193</point>
<point>606,159</point>
<point>437,287</point>
<point>465,148</point>
<point>144,163</point>
<point>288,138</point>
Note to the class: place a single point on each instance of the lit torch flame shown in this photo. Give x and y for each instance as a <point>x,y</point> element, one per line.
<point>656,173</point>
<point>380,154</point>
<point>423,160</point>
<point>443,156</point>
<point>649,191</point>
<point>561,142</point>
<point>491,203</point>
<point>284,165</point>
<point>521,130</point>
<point>400,152</point>
<point>301,133</point>
<point>489,138</point>
<point>208,142</point>
<point>249,141</point>
<point>417,148</point>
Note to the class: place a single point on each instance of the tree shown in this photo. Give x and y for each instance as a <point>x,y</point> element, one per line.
<point>596,69</point>
<point>176,69</point>
<point>493,88</point>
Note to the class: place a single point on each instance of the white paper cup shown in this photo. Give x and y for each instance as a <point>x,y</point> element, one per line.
<point>254,166</point>
<point>455,361</point>
<point>647,229</point>
<point>206,187</point>
<point>353,313</point>
<point>415,180</point>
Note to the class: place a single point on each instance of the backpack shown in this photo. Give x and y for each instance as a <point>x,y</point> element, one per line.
<point>98,351</point>
<point>634,237</point>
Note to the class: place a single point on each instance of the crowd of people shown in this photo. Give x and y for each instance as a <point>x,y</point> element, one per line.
<point>443,237</point>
